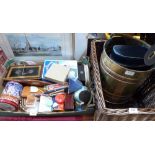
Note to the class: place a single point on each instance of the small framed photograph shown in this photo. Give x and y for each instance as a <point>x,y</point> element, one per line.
<point>25,72</point>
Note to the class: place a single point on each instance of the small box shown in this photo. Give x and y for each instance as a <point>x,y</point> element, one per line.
<point>57,73</point>
<point>69,102</point>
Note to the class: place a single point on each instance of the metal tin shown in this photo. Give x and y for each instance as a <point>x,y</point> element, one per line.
<point>119,83</point>
<point>60,98</point>
<point>7,105</point>
<point>9,99</point>
<point>13,89</point>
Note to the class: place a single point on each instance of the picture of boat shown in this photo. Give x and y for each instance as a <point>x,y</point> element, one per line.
<point>35,44</point>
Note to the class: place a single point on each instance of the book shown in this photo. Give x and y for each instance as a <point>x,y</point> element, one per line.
<point>57,73</point>
<point>72,64</point>
<point>69,102</point>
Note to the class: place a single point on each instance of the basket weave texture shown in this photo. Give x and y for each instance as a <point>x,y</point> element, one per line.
<point>103,113</point>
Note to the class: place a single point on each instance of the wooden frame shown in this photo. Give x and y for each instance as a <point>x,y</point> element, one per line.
<point>66,43</point>
<point>22,68</point>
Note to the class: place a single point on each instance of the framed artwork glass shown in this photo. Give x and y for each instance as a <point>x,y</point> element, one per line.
<point>39,45</point>
<point>22,72</point>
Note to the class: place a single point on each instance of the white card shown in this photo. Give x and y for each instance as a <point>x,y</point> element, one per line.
<point>33,89</point>
<point>45,104</point>
<point>133,110</point>
<point>130,73</point>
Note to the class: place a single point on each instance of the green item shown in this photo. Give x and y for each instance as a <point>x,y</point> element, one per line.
<point>9,62</point>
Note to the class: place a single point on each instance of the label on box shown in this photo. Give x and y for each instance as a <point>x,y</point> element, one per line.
<point>130,73</point>
<point>133,110</point>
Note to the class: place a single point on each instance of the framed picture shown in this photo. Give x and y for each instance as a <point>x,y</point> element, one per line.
<point>41,45</point>
<point>44,46</point>
<point>24,72</point>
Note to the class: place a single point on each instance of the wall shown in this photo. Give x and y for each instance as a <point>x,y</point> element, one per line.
<point>80,45</point>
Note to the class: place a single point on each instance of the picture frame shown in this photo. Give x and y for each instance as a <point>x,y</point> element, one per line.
<point>24,72</point>
<point>73,46</point>
<point>52,42</point>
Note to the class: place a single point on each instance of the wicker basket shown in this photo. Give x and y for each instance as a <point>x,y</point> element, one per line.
<point>103,113</point>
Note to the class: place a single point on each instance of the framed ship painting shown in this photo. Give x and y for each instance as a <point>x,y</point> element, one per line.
<point>55,45</point>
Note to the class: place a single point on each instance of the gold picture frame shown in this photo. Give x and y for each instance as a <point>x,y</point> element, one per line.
<point>24,72</point>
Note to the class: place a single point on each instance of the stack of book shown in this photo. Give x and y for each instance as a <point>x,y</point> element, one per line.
<point>60,70</point>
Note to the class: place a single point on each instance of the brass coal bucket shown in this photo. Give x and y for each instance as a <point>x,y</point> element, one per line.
<point>120,83</point>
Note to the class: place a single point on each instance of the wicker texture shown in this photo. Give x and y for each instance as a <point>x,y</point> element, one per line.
<point>106,114</point>
<point>146,93</point>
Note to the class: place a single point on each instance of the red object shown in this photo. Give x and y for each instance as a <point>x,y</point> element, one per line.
<point>60,98</point>
<point>39,118</point>
<point>3,57</point>
<point>69,102</point>
<point>12,104</point>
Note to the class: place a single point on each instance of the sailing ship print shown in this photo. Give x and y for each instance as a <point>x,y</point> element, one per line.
<point>35,44</point>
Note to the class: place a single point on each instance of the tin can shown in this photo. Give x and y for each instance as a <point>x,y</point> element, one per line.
<point>120,83</point>
<point>10,97</point>
<point>13,89</point>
